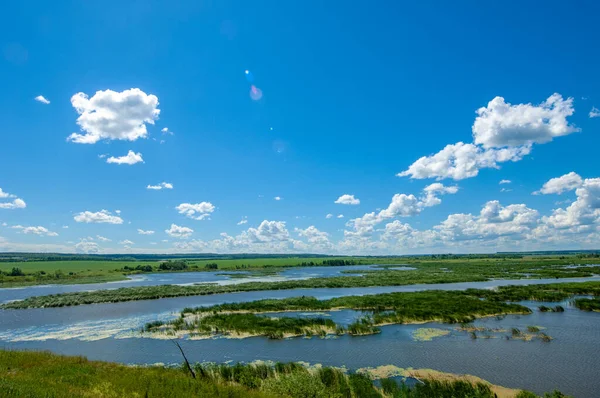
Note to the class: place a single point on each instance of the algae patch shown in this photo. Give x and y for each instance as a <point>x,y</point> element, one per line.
<point>428,334</point>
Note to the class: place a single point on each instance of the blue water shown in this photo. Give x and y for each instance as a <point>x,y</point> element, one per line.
<point>111,332</point>
<point>185,278</point>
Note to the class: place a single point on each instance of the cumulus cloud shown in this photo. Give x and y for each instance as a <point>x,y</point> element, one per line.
<point>41,231</point>
<point>102,238</point>
<point>111,115</point>
<point>102,216</point>
<point>594,112</point>
<point>459,161</point>
<point>269,231</point>
<point>501,124</point>
<point>583,213</point>
<point>268,237</point>
<point>4,195</point>
<point>198,211</point>
<point>340,216</point>
<point>432,191</point>
<point>277,198</point>
<point>166,130</point>
<point>347,200</point>
<point>402,205</point>
<point>317,240</point>
<point>130,158</point>
<point>87,247</point>
<point>126,242</point>
<point>329,215</point>
<point>501,132</point>
<point>505,182</point>
<point>162,185</point>
<point>15,204</point>
<point>558,185</point>
<point>243,221</point>
<point>142,232</point>
<point>42,99</point>
<point>179,232</point>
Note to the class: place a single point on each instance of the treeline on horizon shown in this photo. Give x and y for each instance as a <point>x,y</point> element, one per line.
<point>22,256</point>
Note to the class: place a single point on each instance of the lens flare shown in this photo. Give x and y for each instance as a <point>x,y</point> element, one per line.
<point>255,93</point>
<point>249,76</point>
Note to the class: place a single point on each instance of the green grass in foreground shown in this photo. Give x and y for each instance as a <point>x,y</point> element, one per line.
<point>41,374</point>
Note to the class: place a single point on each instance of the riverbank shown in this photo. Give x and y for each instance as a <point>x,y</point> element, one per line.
<point>36,374</point>
<point>371,279</point>
<point>27,273</point>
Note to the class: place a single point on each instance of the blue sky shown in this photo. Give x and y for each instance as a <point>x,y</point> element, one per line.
<point>347,98</point>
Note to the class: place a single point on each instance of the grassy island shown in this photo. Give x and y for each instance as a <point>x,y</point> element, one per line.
<point>241,319</point>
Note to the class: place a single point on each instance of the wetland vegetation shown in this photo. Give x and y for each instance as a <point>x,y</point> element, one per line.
<point>36,374</point>
<point>381,309</point>
<point>426,272</point>
<point>67,269</point>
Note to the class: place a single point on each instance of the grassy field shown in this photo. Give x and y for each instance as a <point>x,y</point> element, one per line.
<point>40,374</point>
<point>76,271</point>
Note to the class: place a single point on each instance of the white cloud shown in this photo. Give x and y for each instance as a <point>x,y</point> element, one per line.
<point>179,232</point>
<point>41,231</point>
<point>40,98</point>
<point>198,211</point>
<point>594,112</point>
<point>103,239</point>
<point>329,215</point>
<point>126,242</point>
<point>505,190</point>
<point>277,198</point>
<point>431,192</point>
<point>142,232</point>
<point>340,216</point>
<point>65,227</point>
<point>87,247</point>
<point>15,204</point>
<point>317,240</point>
<point>501,124</point>
<point>502,132</point>
<point>244,220</point>
<point>102,216</point>
<point>347,200</point>
<point>558,185</point>
<point>402,205</point>
<point>165,130</point>
<point>130,158</point>
<point>459,161</point>
<point>269,231</point>
<point>112,115</point>
<point>162,185</point>
<point>505,182</point>
<point>583,213</point>
<point>4,195</point>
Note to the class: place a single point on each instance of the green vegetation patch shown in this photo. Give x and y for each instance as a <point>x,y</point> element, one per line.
<point>428,334</point>
<point>41,374</point>
<point>382,309</point>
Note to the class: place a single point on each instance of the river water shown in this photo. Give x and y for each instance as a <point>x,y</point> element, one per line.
<point>111,332</point>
